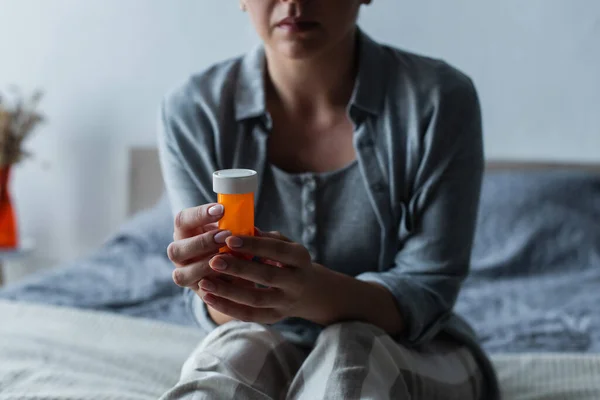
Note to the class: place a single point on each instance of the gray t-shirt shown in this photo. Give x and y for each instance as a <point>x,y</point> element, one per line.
<point>329,213</point>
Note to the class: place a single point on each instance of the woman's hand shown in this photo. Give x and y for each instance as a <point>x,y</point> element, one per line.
<point>196,240</point>
<point>291,281</point>
<point>293,286</point>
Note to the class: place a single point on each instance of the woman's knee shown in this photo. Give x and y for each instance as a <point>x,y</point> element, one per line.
<point>234,327</point>
<point>244,332</point>
<point>351,330</point>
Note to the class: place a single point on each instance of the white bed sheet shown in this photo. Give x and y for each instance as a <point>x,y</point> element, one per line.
<point>63,353</point>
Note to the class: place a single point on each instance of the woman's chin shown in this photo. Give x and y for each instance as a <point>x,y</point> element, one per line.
<point>298,50</point>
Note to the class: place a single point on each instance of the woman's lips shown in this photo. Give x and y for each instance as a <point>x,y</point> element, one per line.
<point>295,26</point>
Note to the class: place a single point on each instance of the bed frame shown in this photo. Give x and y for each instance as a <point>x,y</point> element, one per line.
<point>146,184</point>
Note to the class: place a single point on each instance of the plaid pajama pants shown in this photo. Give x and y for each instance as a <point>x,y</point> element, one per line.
<point>248,361</point>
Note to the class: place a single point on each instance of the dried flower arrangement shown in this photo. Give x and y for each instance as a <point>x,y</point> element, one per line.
<point>17,122</point>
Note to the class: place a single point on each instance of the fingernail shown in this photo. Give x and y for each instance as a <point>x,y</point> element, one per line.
<point>218,264</point>
<point>235,241</point>
<point>221,236</point>
<point>177,278</point>
<point>172,252</point>
<point>208,286</point>
<point>216,210</point>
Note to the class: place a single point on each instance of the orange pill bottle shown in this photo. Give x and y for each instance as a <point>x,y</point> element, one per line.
<point>235,190</point>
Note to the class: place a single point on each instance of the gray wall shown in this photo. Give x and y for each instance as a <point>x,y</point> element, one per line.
<point>106,63</point>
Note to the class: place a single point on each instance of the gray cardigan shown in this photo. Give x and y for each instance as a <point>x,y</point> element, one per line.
<point>418,138</point>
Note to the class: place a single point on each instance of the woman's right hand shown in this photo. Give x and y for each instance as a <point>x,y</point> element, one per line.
<point>196,239</point>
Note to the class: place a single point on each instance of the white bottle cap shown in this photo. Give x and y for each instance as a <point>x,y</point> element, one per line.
<point>235,181</point>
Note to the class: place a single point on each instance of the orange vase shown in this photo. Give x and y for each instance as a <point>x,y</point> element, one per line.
<point>8,222</point>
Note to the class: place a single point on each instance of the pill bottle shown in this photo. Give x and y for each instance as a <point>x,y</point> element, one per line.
<point>235,190</point>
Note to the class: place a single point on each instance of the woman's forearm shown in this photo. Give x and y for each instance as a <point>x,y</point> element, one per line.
<point>344,298</point>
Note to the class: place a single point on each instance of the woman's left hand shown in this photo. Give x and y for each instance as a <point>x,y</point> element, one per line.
<point>291,281</point>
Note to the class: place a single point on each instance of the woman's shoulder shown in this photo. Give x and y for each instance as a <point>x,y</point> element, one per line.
<point>428,75</point>
<point>207,89</point>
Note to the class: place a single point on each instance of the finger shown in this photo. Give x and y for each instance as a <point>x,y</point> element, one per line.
<point>218,278</point>
<point>271,262</point>
<point>272,235</point>
<point>190,275</point>
<point>211,227</point>
<point>242,312</point>
<point>244,295</point>
<point>191,219</point>
<point>288,253</point>
<point>178,235</point>
<point>193,247</point>
<point>262,274</point>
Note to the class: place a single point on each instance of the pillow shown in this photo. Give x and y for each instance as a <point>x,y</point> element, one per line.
<point>533,222</point>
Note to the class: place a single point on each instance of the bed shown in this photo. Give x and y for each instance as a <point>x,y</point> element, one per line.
<point>98,327</point>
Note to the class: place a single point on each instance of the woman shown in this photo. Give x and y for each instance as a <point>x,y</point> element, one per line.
<point>370,161</point>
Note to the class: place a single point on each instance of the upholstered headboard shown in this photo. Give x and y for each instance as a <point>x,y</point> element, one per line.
<point>145,178</point>
<point>146,183</point>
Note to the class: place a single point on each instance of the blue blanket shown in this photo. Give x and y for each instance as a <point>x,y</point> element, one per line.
<point>533,287</point>
<point>130,274</point>
<point>535,277</point>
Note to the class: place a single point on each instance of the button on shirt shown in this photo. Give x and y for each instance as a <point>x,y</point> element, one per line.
<point>329,213</point>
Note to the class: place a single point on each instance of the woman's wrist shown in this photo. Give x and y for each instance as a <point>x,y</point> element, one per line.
<point>318,303</point>
<point>338,297</point>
